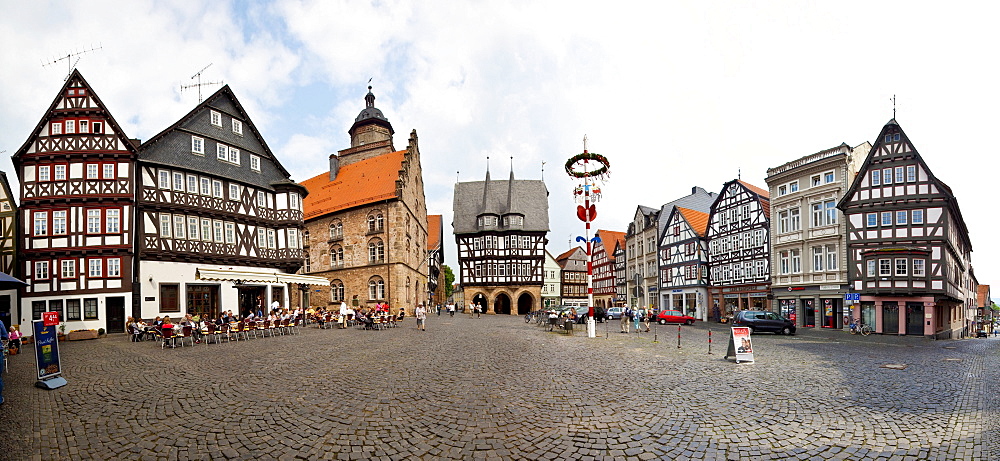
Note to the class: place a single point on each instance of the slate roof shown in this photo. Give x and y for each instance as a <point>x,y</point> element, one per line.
<point>357,184</point>
<point>696,219</point>
<point>699,200</point>
<point>529,198</point>
<point>433,232</point>
<point>172,146</point>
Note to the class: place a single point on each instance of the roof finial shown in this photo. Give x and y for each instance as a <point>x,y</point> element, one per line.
<point>894,107</point>
<point>739,174</point>
<point>487,164</point>
<point>456,176</point>
<point>370,98</point>
<point>585,143</point>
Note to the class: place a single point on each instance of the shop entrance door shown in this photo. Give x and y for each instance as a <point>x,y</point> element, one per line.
<point>890,317</point>
<point>116,314</point>
<point>203,301</point>
<point>809,312</point>
<point>914,319</point>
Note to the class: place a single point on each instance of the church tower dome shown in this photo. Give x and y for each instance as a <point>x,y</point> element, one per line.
<point>370,125</point>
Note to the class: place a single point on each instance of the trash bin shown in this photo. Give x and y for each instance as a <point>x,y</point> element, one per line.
<point>568,325</point>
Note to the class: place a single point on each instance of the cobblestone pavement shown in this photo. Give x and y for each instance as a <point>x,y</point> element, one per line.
<point>498,388</point>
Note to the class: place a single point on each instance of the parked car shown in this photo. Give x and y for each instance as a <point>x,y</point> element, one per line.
<point>764,321</point>
<point>583,312</point>
<point>614,313</point>
<point>668,316</point>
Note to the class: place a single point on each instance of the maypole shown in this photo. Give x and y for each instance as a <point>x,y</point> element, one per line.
<point>579,167</point>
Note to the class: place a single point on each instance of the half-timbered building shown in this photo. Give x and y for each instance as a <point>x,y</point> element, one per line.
<point>9,311</point>
<point>500,228</point>
<point>77,176</point>
<point>908,247</point>
<point>808,254</point>
<point>220,221</point>
<point>684,262</point>
<point>603,263</point>
<point>573,265</point>
<point>435,260</point>
<point>739,249</point>
<point>621,280</point>
<point>366,220</point>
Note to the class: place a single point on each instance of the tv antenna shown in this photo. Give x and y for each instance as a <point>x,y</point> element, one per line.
<point>70,62</point>
<point>199,84</point>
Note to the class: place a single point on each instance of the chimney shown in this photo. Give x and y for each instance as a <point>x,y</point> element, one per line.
<point>334,166</point>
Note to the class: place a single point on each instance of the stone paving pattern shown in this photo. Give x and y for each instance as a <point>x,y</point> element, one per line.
<point>498,388</point>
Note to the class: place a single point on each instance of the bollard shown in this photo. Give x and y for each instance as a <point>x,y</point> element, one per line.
<point>678,336</point>
<point>709,340</point>
<point>654,332</point>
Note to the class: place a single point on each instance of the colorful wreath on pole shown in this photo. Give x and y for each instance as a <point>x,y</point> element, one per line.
<point>576,166</point>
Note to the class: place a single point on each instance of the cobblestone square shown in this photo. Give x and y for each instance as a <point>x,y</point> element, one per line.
<point>498,388</point>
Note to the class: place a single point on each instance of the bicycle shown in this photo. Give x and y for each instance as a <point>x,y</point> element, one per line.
<point>860,328</point>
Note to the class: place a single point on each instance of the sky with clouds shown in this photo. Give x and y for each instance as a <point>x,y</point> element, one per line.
<point>675,94</point>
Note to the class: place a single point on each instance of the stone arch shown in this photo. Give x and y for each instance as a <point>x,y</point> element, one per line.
<point>501,303</point>
<point>525,303</point>
<point>480,299</point>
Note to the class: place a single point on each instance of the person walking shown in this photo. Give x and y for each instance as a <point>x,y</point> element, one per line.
<point>421,314</point>
<point>648,318</point>
<point>451,309</point>
<point>626,317</point>
<point>479,311</point>
<point>638,315</point>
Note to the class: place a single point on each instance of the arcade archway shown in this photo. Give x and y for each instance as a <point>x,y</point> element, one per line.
<point>479,300</point>
<point>501,305</point>
<point>525,303</point>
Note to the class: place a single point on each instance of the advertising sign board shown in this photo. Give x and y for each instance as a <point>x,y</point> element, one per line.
<point>47,356</point>
<point>740,346</point>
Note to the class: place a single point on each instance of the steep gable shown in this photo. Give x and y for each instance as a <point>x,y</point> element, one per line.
<point>697,220</point>
<point>360,183</point>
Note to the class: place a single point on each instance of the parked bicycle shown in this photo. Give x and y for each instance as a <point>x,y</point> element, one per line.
<point>859,328</point>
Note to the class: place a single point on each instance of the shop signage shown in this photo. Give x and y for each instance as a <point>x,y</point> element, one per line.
<point>796,288</point>
<point>740,345</point>
<point>829,287</point>
<point>730,296</point>
<point>47,356</point>
<point>758,295</point>
<point>50,319</point>
<point>676,290</point>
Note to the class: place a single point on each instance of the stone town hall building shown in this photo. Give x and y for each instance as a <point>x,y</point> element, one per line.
<point>366,220</point>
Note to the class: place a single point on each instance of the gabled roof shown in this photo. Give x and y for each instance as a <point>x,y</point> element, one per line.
<point>565,255</point>
<point>699,200</point>
<point>761,192</point>
<point>528,198</point>
<point>696,219</point>
<point>75,77</point>
<point>357,184</point>
<point>609,239</point>
<point>866,166</point>
<point>433,232</point>
<point>763,197</point>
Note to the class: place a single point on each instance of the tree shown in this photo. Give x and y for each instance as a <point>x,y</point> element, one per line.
<point>449,280</point>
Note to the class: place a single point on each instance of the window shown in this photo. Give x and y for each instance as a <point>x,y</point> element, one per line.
<point>784,262</point>
<point>90,309</point>
<point>901,264</point>
<point>95,268</point>
<point>112,221</point>
<point>216,118</point>
<point>918,268</point>
<point>917,217</point>
<point>872,219</point>
<point>98,128</point>
<point>376,288</point>
<point>375,222</point>
<point>192,228</point>
<point>180,224</point>
<point>261,237</point>
<point>206,229</point>
<point>206,186</point>
<point>67,268</point>
<point>59,222</point>
<point>814,181</point>
<point>831,212</point>
<point>818,259</point>
<point>876,177</point>
<point>108,171</point>
<point>93,221</point>
<point>884,267</point>
<point>886,218</point>
<point>270,238</point>
<point>114,267</point>
<point>56,128</point>
<point>261,199</point>
<point>217,188</point>
<point>222,152</point>
<point>92,173</point>
<point>376,251</point>
<point>165,225</point>
<point>782,190</point>
<point>295,202</point>
<point>230,233</point>
<point>828,177</point>
<point>192,184</point>
<point>197,145</point>
<point>84,126</point>
<point>831,257</point>
<point>901,218</point>
<point>254,163</point>
<point>234,192</point>
<point>179,182</point>
<point>796,262</point>
<point>337,290</point>
<point>60,172</point>
<point>234,155</point>
<point>871,267</point>
<point>70,126</point>
<point>73,308</point>
<point>41,270</point>
<point>169,298</point>
<point>886,176</point>
<point>911,173</point>
<point>163,175</point>
<point>237,127</point>
<point>43,173</point>
<point>899,174</point>
<point>783,222</point>
<point>336,230</point>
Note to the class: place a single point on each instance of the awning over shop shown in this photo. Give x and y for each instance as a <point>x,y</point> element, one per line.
<point>263,276</point>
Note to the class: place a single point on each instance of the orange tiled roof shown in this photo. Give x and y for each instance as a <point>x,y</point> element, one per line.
<point>696,219</point>
<point>566,254</point>
<point>757,190</point>
<point>357,184</point>
<point>608,238</point>
<point>981,292</point>
<point>433,231</point>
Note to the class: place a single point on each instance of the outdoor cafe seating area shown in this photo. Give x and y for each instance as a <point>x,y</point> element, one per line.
<point>212,333</point>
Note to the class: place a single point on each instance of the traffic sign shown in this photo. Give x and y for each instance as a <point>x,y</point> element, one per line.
<point>852,297</point>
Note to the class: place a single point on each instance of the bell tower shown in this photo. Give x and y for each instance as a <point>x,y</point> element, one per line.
<point>371,134</point>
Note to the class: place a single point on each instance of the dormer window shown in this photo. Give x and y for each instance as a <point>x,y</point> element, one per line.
<point>216,119</point>
<point>487,221</point>
<point>237,127</point>
<point>513,220</point>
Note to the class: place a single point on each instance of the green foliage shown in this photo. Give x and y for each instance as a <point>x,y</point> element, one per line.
<point>449,280</point>
<point>100,331</point>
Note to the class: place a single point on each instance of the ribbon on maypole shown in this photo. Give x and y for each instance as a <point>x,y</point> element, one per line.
<point>590,168</point>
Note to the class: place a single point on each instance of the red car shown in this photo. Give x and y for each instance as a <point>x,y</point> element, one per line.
<point>665,317</point>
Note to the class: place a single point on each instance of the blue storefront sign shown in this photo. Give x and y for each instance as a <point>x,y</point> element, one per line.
<point>47,356</point>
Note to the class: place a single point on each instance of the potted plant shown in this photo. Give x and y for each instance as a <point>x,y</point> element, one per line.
<point>62,331</point>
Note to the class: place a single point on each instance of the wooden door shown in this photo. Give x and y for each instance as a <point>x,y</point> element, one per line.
<point>116,314</point>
